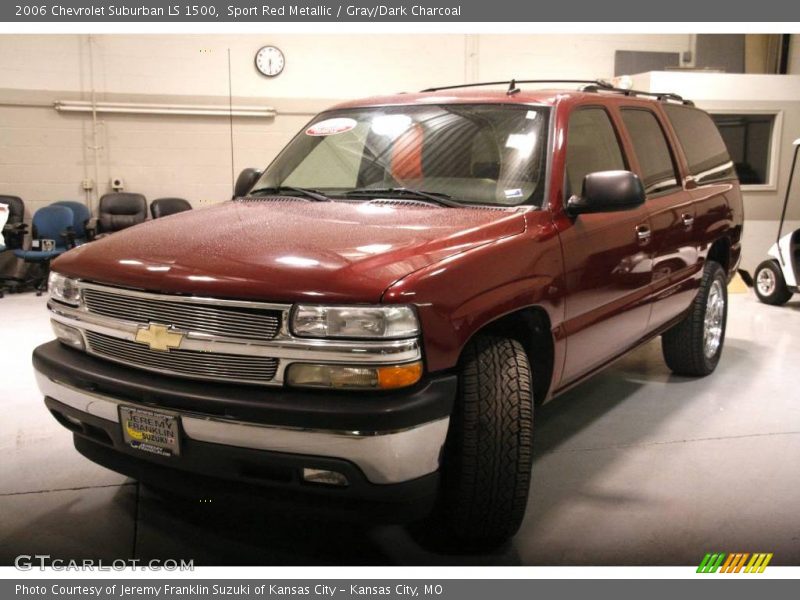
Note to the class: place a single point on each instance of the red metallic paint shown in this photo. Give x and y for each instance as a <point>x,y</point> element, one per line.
<point>286,251</point>
<point>459,295</point>
<point>602,290</point>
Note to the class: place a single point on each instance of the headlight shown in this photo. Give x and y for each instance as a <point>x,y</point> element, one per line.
<point>354,377</point>
<point>63,289</point>
<point>376,322</point>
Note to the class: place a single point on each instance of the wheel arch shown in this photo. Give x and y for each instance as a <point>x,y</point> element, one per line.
<point>531,327</point>
<point>720,252</point>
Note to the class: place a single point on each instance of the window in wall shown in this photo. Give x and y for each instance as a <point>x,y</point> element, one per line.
<point>592,146</point>
<point>749,141</point>
<point>652,150</point>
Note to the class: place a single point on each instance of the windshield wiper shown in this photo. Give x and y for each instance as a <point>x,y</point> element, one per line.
<point>435,197</point>
<point>315,195</point>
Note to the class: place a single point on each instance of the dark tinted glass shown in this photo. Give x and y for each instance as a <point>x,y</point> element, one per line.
<point>748,138</point>
<point>592,146</point>
<point>652,150</point>
<point>702,144</point>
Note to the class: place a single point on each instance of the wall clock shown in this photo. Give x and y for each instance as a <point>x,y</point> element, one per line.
<point>270,61</point>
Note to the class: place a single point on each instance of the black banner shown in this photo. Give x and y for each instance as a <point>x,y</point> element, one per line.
<point>398,11</point>
<point>734,588</point>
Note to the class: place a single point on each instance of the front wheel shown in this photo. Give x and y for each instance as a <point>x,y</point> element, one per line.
<point>488,454</point>
<point>770,285</point>
<point>693,347</point>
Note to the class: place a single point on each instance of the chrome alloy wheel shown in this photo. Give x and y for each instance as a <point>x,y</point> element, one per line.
<point>765,280</point>
<point>715,314</point>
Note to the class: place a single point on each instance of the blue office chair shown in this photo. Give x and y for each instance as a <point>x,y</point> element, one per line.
<point>82,215</point>
<point>49,223</point>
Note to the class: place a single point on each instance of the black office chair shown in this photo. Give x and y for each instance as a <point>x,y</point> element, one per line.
<point>12,270</point>
<point>14,230</point>
<point>163,207</point>
<point>118,211</point>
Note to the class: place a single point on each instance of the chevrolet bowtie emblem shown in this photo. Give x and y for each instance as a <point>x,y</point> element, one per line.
<point>158,337</point>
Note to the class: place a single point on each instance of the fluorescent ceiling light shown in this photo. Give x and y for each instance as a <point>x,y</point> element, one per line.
<point>134,108</point>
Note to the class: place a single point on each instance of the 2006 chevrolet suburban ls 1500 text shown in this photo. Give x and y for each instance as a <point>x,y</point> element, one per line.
<point>377,315</point>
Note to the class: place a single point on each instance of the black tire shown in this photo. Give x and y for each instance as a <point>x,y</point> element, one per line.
<point>684,346</point>
<point>777,294</point>
<point>487,461</point>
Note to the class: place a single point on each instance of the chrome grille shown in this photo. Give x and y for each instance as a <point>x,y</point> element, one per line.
<point>189,363</point>
<point>226,321</point>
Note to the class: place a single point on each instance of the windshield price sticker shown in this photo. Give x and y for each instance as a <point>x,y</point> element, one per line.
<point>331,127</point>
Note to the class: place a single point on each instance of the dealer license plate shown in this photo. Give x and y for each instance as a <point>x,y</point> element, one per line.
<point>150,431</point>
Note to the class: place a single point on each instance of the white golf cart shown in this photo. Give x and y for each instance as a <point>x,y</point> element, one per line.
<point>776,279</point>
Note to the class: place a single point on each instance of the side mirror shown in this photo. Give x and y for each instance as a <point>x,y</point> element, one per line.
<point>245,182</point>
<point>608,191</point>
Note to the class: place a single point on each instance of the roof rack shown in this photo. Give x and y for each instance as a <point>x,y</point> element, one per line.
<point>512,84</point>
<point>588,85</point>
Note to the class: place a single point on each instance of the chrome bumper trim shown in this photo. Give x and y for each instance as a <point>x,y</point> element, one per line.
<point>384,457</point>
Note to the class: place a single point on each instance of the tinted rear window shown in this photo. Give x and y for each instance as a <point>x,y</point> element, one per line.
<point>702,144</point>
<point>652,150</point>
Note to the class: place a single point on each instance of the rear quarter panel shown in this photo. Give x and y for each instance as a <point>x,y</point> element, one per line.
<point>719,208</point>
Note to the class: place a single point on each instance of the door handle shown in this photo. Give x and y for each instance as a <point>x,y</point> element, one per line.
<point>643,234</point>
<point>688,220</point>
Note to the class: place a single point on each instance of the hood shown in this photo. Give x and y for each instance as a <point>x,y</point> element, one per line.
<point>286,250</point>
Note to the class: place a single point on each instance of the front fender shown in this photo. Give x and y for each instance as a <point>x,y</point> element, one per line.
<point>460,295</point>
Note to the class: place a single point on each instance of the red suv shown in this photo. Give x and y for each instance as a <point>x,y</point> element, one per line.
<point>378,313</point>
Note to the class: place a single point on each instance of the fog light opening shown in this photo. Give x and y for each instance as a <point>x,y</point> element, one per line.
<point>70,423</point>
<point>68,335</point>
<point>323,477</point>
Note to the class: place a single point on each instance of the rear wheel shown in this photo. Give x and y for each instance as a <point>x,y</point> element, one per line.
<point>487,461</point>
<point>694,346</point>
<point>770,285</point>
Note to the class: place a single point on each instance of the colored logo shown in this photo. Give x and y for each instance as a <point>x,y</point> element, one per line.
<point>737,562</point>
<point>135,434</point>
<point>158,337</point>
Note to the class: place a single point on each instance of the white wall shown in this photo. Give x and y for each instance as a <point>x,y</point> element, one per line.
<point>44,155</point>
<point>318,66</point>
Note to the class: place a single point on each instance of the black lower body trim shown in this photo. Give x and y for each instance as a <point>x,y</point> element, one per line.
<point>204,470</point>
<point>427,401</point>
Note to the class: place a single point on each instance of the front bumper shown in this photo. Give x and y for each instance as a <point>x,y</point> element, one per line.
<point>381,443</point>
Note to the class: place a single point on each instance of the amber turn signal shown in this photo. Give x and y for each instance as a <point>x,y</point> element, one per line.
<point>391,378</point>
<point>352,377</point>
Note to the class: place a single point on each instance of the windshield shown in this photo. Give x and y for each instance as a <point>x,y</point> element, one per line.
<point>479,154</point>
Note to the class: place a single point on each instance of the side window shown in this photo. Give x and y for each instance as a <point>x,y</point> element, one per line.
<point>702,144</point>
<point>652,150</point>
<point>592,146</point>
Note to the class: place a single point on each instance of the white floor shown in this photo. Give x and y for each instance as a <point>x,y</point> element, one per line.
<point>635,466</point>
